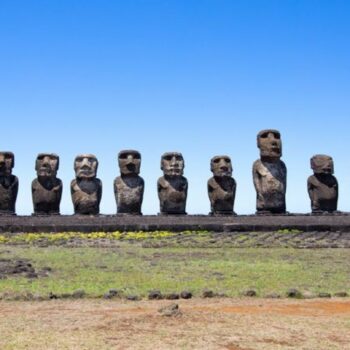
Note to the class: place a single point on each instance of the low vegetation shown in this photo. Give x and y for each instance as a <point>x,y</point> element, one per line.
<point>131,263</point>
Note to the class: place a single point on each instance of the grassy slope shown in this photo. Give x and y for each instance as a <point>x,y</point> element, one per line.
<point>137,270</point>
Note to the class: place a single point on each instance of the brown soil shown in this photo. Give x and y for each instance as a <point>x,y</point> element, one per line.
<point>234,324</point>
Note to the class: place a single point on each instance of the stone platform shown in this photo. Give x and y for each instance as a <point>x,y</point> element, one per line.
<point>241,223</point>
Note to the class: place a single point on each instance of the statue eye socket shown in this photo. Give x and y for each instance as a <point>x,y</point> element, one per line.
<point>178,158</point>
<point>123,156</point>
<point>168,158</point>
<point>217,160</point>
<point>264,136</point>
<point>137,156</point>
<point>277,136</point>
<point>227,160</point>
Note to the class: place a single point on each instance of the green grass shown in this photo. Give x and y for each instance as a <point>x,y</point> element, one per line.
<point>32,238</point>
<point>136,270</point>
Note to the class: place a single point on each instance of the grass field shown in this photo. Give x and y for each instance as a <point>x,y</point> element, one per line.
<point>134,267</point>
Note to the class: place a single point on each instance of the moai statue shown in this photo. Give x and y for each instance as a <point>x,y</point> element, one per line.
<point>270,174</point>
<point>86,189</point>
<point>221,187</point>
<point>129,186</point>
<point>172,187</point>
<point>322,186</point>
<point>46,188</point>
<point>8,184</point>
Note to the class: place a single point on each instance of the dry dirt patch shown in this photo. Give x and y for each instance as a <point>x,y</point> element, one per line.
<point>235,324</point>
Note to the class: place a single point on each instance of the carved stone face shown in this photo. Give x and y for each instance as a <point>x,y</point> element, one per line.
<point>172,164</point>
<point>322,164</point>
<point>7,162</point>
<point>221,166</point>
<point>270,144</point>
<point>129,162</point>
<point>46,164</point>
<point>85,166</point>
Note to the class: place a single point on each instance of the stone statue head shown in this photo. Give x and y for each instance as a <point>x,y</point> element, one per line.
<point>7,162</point>
<point>172,164</point>
<point>270,144</point>
<point>47,164</point>
<point>129,162</point>
<point>85,166</point>
<point>322,164</point>
<point>221,166</point>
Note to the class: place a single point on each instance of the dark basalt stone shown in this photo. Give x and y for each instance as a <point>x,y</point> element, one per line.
<point>294,293</point>
<point>8,184</point>
<point>270,174</point>
<point>250,293</point>
<point>322,186</point>
<point>172,296</point>
<point>129,186</point>
<point>207,293</point>
<point>172,187</point>
<point>46,188</point>
<point>86,189</point>
<point>155,295</point>
<point>221,187</point>
<point>185,294</point>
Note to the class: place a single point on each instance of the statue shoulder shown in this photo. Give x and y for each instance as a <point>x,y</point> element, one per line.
<point>283,165</point>
<point>13,181</point>
<point>312,181</point>
<point>184,180</point>
<point>311,178</point>
<point>258,166</point>
<point>118,179</point>
<point>212,183</point>
<point>58,182</point>
<point>74,185</point>
<point>162,182</point>
<point>233,182</point>
<point>35,184</point>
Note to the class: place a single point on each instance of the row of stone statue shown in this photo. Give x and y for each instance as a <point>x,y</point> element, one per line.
<point>269,175</point>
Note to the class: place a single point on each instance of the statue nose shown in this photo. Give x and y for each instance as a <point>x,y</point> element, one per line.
<point>85,162</point>
<point>46,161</point>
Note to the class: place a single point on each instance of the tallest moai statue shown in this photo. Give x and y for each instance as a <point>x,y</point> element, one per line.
<point>270,174</point>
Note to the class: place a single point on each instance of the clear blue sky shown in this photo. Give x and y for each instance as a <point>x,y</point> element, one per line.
<point>199,77</point>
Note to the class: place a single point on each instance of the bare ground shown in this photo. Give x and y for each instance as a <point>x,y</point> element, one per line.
<point>234,324</point>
